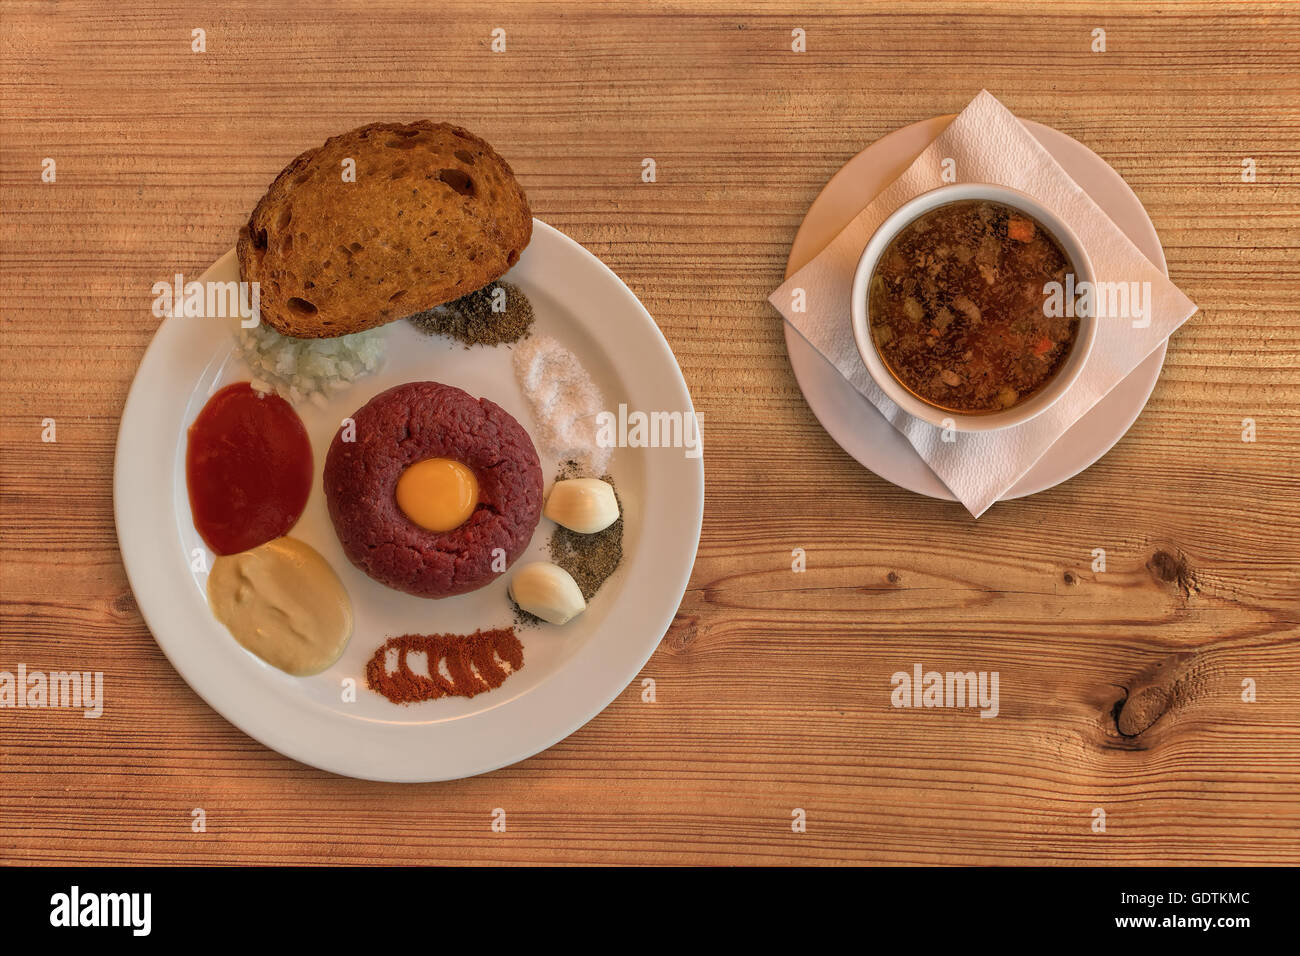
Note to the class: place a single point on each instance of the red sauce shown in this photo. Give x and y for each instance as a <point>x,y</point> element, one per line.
<point>248,466</point>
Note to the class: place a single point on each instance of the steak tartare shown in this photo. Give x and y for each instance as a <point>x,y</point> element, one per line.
<point>408,424</point>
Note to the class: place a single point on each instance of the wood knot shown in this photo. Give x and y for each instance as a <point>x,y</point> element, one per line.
<point>1068,578</point>
<point>683,631</point>
<point>1174,569</point>
<point>893,577</point>
<point>1142,708</point>
<point>124,603</point>
<point>1153,693</point>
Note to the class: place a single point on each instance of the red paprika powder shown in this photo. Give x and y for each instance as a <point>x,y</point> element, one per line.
<point>473,661</point>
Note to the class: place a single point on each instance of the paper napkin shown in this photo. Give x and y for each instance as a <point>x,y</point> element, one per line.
<point>987,144</point>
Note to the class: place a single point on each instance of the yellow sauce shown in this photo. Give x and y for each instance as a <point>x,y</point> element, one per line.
<point>438,493</point>
<point>283,602</point>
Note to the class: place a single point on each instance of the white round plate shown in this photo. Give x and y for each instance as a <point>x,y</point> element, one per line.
<point>855,423</point>
<point>570,673</point>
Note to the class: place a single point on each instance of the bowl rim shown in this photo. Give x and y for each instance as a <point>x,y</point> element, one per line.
<point>899,394</point>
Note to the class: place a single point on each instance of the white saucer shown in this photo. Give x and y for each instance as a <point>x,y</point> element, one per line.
<point>855,423</point>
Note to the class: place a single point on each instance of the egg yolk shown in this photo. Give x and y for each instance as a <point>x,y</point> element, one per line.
<point>438,493</point>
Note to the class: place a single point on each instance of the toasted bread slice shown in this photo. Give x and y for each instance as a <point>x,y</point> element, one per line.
<point>433,214</point>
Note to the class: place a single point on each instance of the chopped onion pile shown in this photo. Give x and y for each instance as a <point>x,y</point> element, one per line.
<point>308,369</point>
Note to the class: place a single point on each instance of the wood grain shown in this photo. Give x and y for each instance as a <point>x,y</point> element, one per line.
<point>773,687</point>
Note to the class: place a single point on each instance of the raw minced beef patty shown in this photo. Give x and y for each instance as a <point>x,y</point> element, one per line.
<point>409,423</point>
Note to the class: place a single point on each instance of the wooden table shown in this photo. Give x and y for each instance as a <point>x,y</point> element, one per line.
<point>773,688</point>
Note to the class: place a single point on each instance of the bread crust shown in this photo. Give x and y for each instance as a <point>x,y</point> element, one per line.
<point>434,214</point>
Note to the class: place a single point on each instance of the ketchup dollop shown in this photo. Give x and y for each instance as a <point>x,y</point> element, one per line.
<point>248,466</point>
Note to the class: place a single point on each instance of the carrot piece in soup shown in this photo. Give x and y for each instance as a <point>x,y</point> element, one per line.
<point>1021,230</point>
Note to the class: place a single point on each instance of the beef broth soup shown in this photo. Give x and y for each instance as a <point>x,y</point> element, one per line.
<point>956,307</point>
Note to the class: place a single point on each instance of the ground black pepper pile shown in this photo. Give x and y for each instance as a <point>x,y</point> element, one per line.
<point>589,558</point>
<point>471,320</point>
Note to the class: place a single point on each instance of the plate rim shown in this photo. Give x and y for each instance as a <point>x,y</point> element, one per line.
<point>205,670</point>
<point>1023,487</point>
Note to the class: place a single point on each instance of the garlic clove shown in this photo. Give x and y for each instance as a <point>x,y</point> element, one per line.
<point>547,591</point>
<point>584,505</point>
